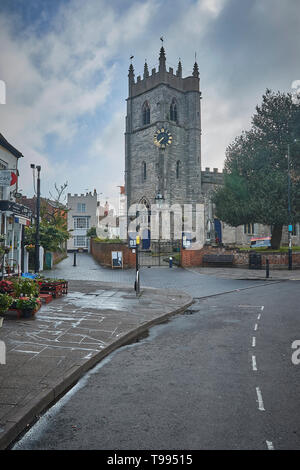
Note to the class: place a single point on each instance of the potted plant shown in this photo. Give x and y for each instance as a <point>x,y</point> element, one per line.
<point>5,302</point>
<point>26,287</point>
<point>6,287</point>
<point>27,305</point>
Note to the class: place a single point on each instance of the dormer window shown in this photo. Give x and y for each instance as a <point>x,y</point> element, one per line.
<point>173,111</point>
<point>146,113</point>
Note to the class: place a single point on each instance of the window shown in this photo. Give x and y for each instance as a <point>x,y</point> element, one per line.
<point>178,169</point>
<point>81,222</point>
<point>249,229</point>
<point>146,113</point>
<point>144,171</point>
<point>173,111</point>
<point>80,207</point>
<point>3,166</point>
<point>80,241</point>
<point>295,230</point>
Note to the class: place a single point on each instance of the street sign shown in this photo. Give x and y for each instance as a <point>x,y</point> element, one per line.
<point>132,243</point>
<point>290,228</point>
<point>117,259</point>
<point>7,178</point>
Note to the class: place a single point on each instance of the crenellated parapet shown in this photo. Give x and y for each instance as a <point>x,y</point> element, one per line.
<point>209,178</point>
<point>162,76</point>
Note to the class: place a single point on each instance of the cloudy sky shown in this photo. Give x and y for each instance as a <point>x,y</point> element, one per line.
<point>65,65</point>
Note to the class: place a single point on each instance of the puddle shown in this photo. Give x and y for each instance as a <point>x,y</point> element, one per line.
<point>139,338</point>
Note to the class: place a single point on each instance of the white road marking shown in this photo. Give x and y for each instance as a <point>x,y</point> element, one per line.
<point>262,307</point>
<point>258,316</point>
<point>250,306</point>
<point>253,342</point>
<point>255,327</point>
<point>260,400</point>
<point>27,352</point>
<point>254,367</point>
<point>270,445</point>
<point>88,356</point>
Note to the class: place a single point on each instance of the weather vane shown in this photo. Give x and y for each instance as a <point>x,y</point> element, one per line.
<point>131,57</point>
<point>162,40</point>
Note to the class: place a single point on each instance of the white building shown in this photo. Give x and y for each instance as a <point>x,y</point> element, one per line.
<point>13,216</point>
<point>82,215</point>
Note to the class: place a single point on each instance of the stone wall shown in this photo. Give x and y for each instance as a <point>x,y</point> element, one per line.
<point>101,252</point>
<point>193,258</point>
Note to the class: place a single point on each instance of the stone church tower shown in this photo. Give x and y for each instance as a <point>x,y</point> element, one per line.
<point>163,136</point>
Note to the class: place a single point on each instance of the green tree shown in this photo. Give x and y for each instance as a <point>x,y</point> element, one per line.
<point>92,232</point>
<point>256,168</point>
<point>53,226</point>
<point>51,238</point>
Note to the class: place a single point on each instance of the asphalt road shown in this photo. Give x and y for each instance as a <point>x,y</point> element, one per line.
<point>218,377</point>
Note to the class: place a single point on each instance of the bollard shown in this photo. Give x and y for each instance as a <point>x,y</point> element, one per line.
<point>74,263</point>
<point>170,262</point>
<point>267,268</point>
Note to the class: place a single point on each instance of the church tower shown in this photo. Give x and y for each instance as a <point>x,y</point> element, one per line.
<point>163,136</point>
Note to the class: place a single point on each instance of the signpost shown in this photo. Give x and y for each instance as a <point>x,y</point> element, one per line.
<point>117,259</point>
<point>137,272</point>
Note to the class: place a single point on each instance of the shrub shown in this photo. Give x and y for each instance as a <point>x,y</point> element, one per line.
<point>5,302</point>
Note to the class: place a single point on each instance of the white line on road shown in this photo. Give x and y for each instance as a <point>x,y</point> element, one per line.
<point>262,307</point>
<point>255,327</point>
<point>253,342</point>
<point>270,445</point>
<point>258,316</point>
<point>254,367</point>
<point>260,400</point>
<point>250,306</point>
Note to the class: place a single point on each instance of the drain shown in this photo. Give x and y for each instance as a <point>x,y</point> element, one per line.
<point>190,311</point>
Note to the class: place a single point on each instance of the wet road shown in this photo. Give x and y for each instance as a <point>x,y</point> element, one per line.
<point>218,377</point>
<point>196,284</point>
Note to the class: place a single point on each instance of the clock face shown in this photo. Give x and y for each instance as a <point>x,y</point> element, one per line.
<point>162,138</point>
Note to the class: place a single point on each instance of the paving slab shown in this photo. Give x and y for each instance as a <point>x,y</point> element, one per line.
<point>248,274</point>
<point>48,353</point>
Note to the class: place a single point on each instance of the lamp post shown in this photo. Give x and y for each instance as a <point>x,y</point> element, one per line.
<point>289,211</point>
<point>37,226</point>
<point>159,199</point>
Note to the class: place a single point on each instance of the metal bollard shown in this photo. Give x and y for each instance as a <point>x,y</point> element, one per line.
<point>74,263</point>
<point>267,268</point>
<point>170,262</point>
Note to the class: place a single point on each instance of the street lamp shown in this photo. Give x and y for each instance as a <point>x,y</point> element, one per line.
<point>289,211</point>
<point>159,199</point>
<point>37,226</point>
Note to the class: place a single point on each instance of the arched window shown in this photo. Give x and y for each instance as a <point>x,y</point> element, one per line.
<point>173,110</point>
<point>178,169</point>
<point>146,113</point>
<point>144,171</point>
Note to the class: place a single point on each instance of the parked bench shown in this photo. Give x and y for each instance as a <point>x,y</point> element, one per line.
<point>217,260</point>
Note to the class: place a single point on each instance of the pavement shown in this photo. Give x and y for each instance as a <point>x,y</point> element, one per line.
<point>48,354</point>
<point>248,274</point>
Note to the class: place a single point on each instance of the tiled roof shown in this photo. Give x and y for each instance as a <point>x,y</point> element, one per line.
<point>9,147</point>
